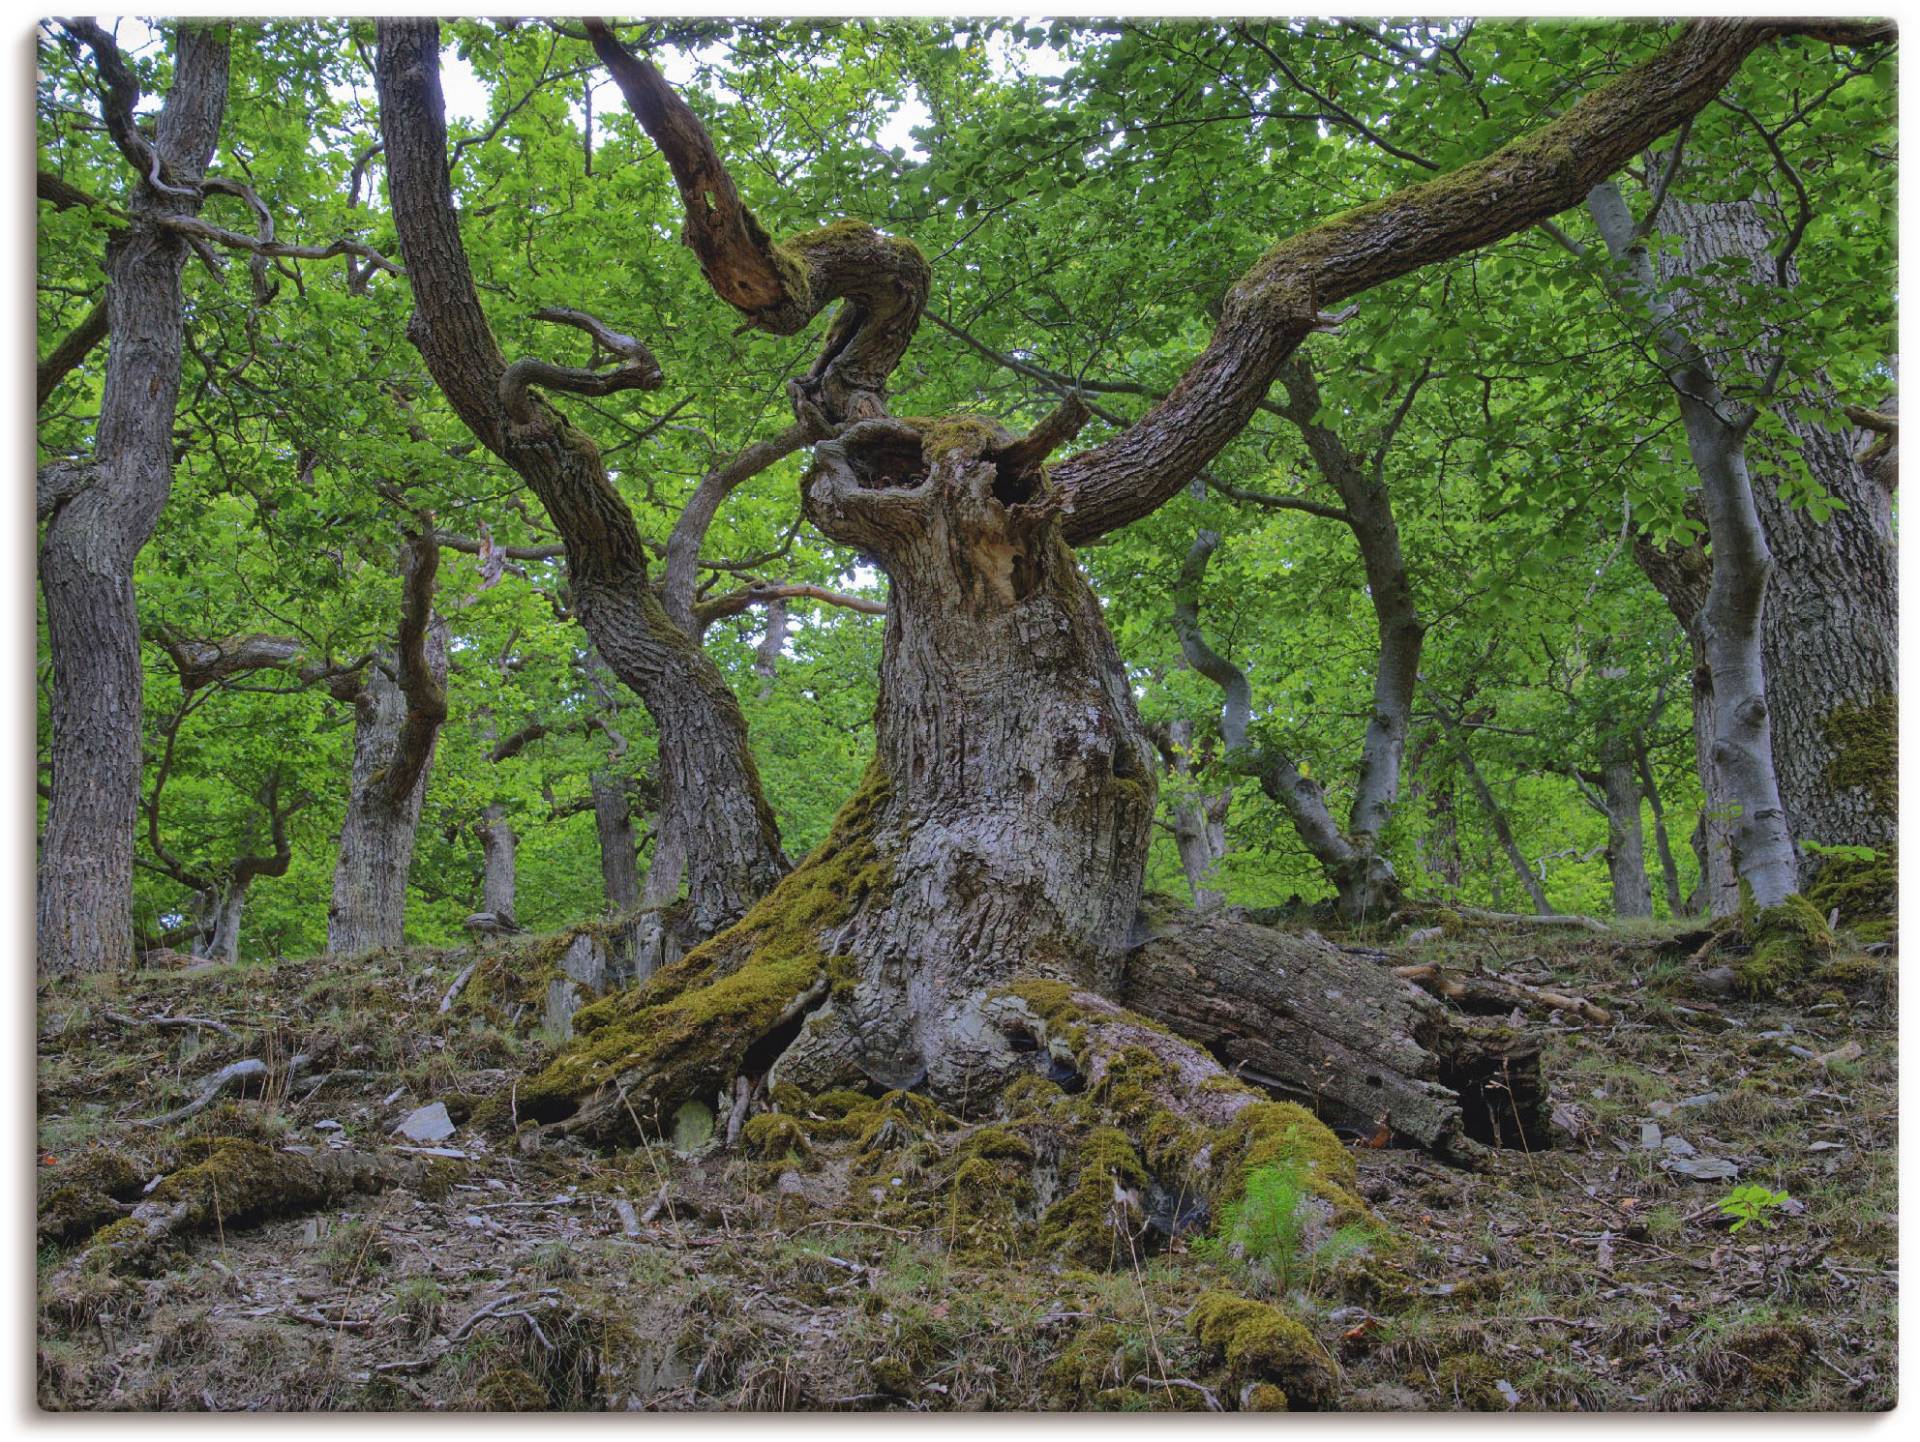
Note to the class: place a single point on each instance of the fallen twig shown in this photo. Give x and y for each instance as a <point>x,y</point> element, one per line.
<point>218,1083</point>
<point>194,1021</point>
<point>1206,1393</point>
<point>1486,987</point>
<point>459,985</point>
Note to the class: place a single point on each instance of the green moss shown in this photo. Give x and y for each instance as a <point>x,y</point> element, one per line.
<point>684,1032</point>
<point>778,1138</point>
<point>899,1119</point>
<point>1866,741</point>
<point>1099,1218</point>
<point>1263,1344</point>
<point>82,1193</point>
<point>941,435</point>
<point>1470,1380</point>
<point>1787,941</point>
<point>1860,889</point>
<point>510,1387</point>
<point>1284,1134</point>
<point>1097,1367</point>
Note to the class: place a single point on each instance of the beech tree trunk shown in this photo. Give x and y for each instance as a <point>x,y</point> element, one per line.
<point>101,513</point>
<point>1830,629</point>
<point>220,940</point>
<point>1199,823</point>
<point>1730,621</point>
<point>499,848</point>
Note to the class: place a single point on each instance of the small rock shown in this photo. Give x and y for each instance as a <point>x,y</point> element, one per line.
<point>328,1126</point>
<point>1704,1099</point>
<point>1678,1147</point>
<point>427,1124</point>
<point>1703,1169</point>
<point>1718,980</point>
<point>1852,1051</point>
<point>1649,1135</point>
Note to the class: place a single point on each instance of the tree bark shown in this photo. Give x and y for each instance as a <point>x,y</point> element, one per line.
<point>1199,822</point>
<point>1730,620</point>
<point>619,852</point>
<point>94,533</point>
<point>1669,872</point>
<point>398,711</point>
<point>717,835</point>
<point>1626,844</point>
<point>1830,629</point>
<point>499,847</point>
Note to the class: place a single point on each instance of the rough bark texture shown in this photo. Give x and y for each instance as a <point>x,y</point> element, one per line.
<point>1020,782</point>
<point>619,852</point>
<point>1730,620</point>
<point>97,529</point>
<point>1339,1033</point>
<point>725,846</point>
<point>1830,629</point>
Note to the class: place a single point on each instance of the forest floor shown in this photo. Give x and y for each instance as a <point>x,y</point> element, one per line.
<point>1597,1274</point>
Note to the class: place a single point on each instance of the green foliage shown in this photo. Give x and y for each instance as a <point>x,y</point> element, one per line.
<point>1275,1233</point>
<point>1751,1204</point>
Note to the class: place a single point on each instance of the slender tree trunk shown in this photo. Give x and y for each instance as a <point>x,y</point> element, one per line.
<point>1199,824</point>
<point>1830,629</point>
<point>398,712</point>
<point>1497,818</point>
<point>766,657</point>
<point>1669,872</point>
<point>499,848</point>
<point>1730,621</point>
<point>619,853</point>
<point>1626,848</point>
<point>104,516</point>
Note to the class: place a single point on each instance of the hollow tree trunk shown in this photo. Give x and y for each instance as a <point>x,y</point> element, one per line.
<point>102,515</point>
<point>619,854</point>
<point>1019,780</point>
<point>369,906</point>
<point>1626,845</point>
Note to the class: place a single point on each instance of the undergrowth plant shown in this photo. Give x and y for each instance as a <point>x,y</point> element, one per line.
<point>1267,1233</point>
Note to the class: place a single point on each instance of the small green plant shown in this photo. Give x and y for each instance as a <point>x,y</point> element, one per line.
<point>1268,1231</point>
<point>354,1251</point>
<point>1752,1204</point>
<point>421,1303</point>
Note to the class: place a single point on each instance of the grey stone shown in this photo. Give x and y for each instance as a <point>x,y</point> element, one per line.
<point>427,1124</point>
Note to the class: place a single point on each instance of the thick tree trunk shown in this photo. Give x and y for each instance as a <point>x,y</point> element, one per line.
<point>1019,784</point>
<point>376,841</point>
<point>105,513</point>
<point>619,853</point>
<point>1730,621</point>
<point>1626,845</point>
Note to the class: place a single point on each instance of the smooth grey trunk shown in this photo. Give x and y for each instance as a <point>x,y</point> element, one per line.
<point>766,657</point>
<point>619,850</point>
<point>499,848</point>
<point>369,906</point>
<point>1626,845</point>
<point>1830,629</point>
<point>219,940</point>
<point>1730,621</point>
<point>103,514</point>
<point>1199,822</point>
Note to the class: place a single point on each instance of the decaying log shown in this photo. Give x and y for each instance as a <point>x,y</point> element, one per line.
<point>1340,1033</point>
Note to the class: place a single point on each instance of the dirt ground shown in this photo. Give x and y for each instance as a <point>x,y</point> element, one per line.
<point>305,1261</point>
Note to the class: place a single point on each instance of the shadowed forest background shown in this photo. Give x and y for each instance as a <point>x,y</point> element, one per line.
<point>1255,660</point>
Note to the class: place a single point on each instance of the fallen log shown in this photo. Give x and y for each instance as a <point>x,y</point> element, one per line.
<point>1488,991</point>
<point>1341,1034</point>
